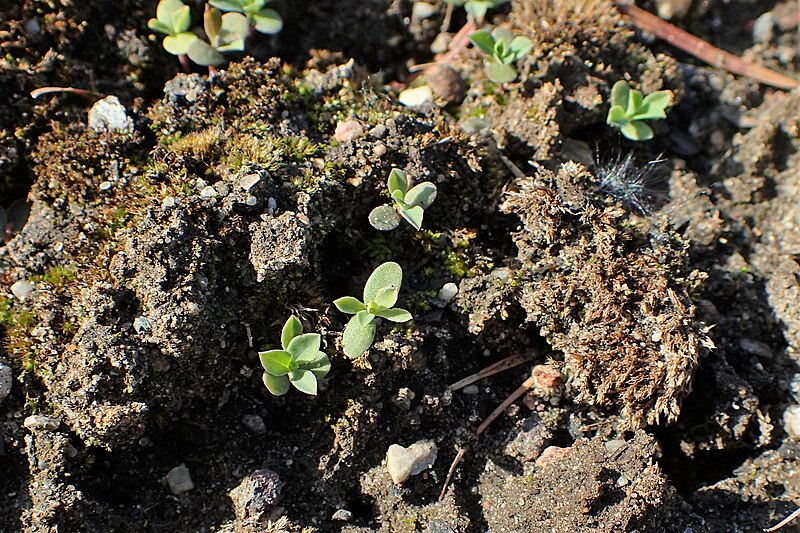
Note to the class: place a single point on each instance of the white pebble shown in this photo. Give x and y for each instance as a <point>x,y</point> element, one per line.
<point>22,289</point>
<point>249,181</point>
<point>791,420</point>
<point>405,462</point>
<point>179,480</point>
<point>6,380</point>
<point>208,192</point>
<point>109,114</point>
<point>448,292</point>
<point>416,97</point>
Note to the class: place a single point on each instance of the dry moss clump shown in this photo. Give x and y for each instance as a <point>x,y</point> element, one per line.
<point>610,293</point>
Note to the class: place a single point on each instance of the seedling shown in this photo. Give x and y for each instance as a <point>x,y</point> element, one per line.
<point>299,363</point>
<point>409,204</point>
<point>380,295</point>
<point>629,110</point>
<point>263,19</point>
<point>477,8</point>
<point>504,50</point>
<point>173,18</point>
<point>226,33</point>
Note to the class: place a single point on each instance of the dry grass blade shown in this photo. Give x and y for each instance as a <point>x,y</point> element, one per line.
<point>503,364</point>
<point>702,49</point>
<point>783,522</point>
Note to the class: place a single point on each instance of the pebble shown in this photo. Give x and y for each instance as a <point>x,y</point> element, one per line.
<point>251,201</point>
<point>22,288</point>
<point>179,480</point>
<point>249,181</point>
<point>754,347</point>
<point>106,185</point>
<point>343,515</point>
<point>379,150</point>
<point>448,292</point>
<point>378,132</point>
<point>763,28</point>
<point>439,526</point>
<point>791,420</point>
<point>168,202</point>
<point>141,324</point>
<point>502,273</point>
<point>208,192</point>
<point>551,454</point>
<point>416,97</point>
<point>6,380</point>
<point>256,494</point>
<point>531,440</point>
<point>404,462</point>
<point>40,422</point>
<point>348,130</point>
<point>422,10</point>
<point>470,390</point>
<point>109,114</point>
<point>255,424</point>
<point>668,9</point>
<point>446,84</point>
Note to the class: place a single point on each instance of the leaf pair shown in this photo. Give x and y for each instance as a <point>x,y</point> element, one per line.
<point>629,110</point>
<point>408,204</point>
<point>264,20</point>
<point>477,8</point>
<point>226,33</point>
<point>504,50</point>
<point>299,363</point>
<point>173,18</point>
<point>380,295</point>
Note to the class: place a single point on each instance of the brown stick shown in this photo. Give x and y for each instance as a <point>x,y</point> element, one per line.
<point>703,50</point>
<point>36,93</point>
<point>503,364</point>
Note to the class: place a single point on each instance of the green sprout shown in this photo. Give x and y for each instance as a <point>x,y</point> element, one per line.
<point>504,50</point>
<point>629,110</point>
<point>173,18</point>
<point>477,8</point>
<point>409,204</point>
<point>380,295</point>
<point>264,20</point>
<point>299,363</point>
<point>226,33</point>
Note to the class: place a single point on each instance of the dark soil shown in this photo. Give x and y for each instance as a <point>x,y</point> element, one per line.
<point>142,271</point>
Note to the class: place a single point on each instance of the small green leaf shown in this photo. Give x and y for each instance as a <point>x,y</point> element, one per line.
<point>277,385</point>
<point>634,102</point>
<point>477,8</point>
<point>306,345</point>
<point>388,274</point>
<point>181,20</point>
<point>387,296</point>
<point>384,218</point>
<point>227,5</point>
<point>304,381</point>
<point>320,365</point>
<point>413,216</point>
<point>291,329</point>
<point>397,182</point>
<point>235,27</point>
<point>483,40</point>
<point>364,317</point>
<point>637,131</point>
<point>166,10</point>
<point>160,27</point>
<point>203,54</point>
<point>267,21</point>
<point>349,305</point>
<point>616,116</point>
<point>520,46</point>
<point>500,73</point>
<point>502,36</point>
<point>357,338</point>
<point>422,195</point>
<point>619,94</point>
<point>252,6</point>
<point>654,106</point>
<point>179,44</point>
<point>395,315</point>
<point>277,362</point>
<point>212,24</point>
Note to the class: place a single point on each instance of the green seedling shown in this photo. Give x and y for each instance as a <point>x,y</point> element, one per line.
<point>299,363</point>
<point>504,50</point>
<point>409,204</point>
<point>263,19</point>
<point>226,33</point>
<point>477,8</point>
<point>629,110</point>
<point>173,18</point>
<point>380,295</point>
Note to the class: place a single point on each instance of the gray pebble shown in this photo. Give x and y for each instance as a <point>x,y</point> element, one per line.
<point>109,114</point>
<point>249,181</point>
<point>791,420</point>
<point>404,462</point>
<point>378,131</point>
<point>470,390</point>
<point>256,495</point>
<point>208,192</point>
<point>448,292</point>
<point>439,526</point>
<point>39,423</point>
<point>343,515</point>
<point>255,424</point>
<point>179,480</point>
<point>6,380</point>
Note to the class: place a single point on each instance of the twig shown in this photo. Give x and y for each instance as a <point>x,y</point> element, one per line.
<point>703,50</point>
<point>783,522</point>
<point>36,93</point>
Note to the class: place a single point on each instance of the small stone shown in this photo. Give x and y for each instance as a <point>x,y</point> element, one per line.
<point>39,423</point>
<point>249,181</point>
<point>763,28</point>
<point>470,390</point>
<point>422,10</point>
<point>255,424</point>
<point>754,347</point>
<point>416,97</point>
<point>378,132</point>
<point>502,273</point>
<point>441,43</point>
<point>668,9</point>
<point>141,324</point>
<point>404,462</point>
<point>251,201</point>
<point>530,441</point>
<point>342,515</point>
<point>551,454</point>
<point>6,380</point>
<point>109,114</point>
<point>447,84</point>
<point>168,202</point>
<point>791,420</point>
<point>439,526</point>
<point>179,480</point>
<point>208,192</point>
<point>256,495</point>
<point>106,185</point>
<point>379,150</point>
<point>547,379</point>
<point>448,292</point>
<point>348,130</point>
<point>272,205</point>
<point>22,288</point>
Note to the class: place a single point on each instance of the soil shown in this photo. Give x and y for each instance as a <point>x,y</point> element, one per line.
<point>142,271</point>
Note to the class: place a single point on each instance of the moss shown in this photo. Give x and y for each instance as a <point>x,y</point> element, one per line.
<point>57,276</point>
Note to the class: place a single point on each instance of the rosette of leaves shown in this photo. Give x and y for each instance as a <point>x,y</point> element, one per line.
<point>264,20</point>
<point>477,8</point>
<point>504,50</point>
<point>173,18</point>
<point>629,110</point>
<point>299,363</point>
<point>409,204</point>
<point>380,295</point>
<point>226,33</point>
